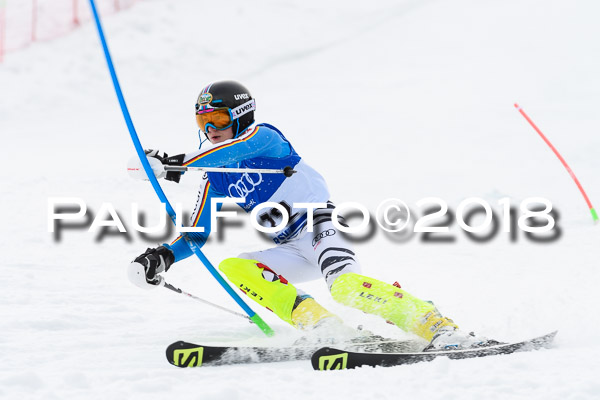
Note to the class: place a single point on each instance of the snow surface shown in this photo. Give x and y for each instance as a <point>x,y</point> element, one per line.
<point>405,99</point>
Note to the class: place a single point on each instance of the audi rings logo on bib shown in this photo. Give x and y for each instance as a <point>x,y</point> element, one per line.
<point>324,234</point>
<point>245,185</point>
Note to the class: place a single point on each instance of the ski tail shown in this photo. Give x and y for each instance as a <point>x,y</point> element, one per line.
<point>182,354</point>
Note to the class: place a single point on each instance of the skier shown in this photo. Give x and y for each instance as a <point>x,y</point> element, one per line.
<point>225,115</point>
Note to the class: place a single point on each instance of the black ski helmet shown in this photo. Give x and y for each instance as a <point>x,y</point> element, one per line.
<point>231,95</point>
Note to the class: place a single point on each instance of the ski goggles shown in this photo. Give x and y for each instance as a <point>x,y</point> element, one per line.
<point>221,118</point>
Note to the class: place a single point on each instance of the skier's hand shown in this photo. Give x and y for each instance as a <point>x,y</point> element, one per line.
<point>156,154</point>
<point>155,158</point>
<point>144,270</point>
<point>164,158</point>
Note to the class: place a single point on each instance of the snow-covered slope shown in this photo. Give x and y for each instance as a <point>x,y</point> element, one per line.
<point>405,99</point>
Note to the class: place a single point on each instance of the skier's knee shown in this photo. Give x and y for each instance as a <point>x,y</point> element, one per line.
<point>332,281</point>
<point>233,267</point>
<point>245,272</point>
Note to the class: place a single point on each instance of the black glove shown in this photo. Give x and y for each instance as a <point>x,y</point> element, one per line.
<point>156,154</point>
<point>164,158</point>
<point>155,261</point>
<point>177,160</point>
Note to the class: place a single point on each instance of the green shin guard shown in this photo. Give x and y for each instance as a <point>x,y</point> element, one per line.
<point>275,294</point>
<point>390,302</point>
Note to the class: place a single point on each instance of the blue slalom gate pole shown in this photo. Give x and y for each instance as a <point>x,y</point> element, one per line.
<point>254,317</point>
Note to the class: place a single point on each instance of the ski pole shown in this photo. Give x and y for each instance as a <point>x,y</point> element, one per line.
<point>562,160</point>
<point>262,325</point>
<point>287,171</point>
<point>167,285</point>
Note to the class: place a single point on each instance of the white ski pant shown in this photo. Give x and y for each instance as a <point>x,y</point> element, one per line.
<point>322,253</point>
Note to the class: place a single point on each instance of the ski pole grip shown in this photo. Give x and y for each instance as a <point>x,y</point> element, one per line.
<point>288,171</point>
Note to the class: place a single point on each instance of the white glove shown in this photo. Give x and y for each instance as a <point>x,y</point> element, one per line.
<point>144,270</point>
<point>136,169</point>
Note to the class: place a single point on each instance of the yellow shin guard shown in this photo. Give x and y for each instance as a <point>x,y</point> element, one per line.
<point>390,302</point>
<point>273,292</point>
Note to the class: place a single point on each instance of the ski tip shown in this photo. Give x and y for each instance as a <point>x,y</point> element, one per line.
<point>547,337</point>
<point>550,336</point>
<point>328,358</point>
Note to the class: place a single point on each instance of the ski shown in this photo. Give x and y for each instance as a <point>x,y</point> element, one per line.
<point>185,354</point>
<point>328,358</point>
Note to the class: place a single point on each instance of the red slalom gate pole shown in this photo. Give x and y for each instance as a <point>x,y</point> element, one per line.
<point>34,12</point>
<point>75,13</point>
<point>2,28</point>
<point>562,160</point>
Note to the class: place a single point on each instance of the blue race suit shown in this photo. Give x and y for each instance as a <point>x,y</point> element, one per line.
<point>261,146</point>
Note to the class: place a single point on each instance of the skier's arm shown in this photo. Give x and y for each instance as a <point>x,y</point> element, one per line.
<point>200,218</point>
<point>260,142</point>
